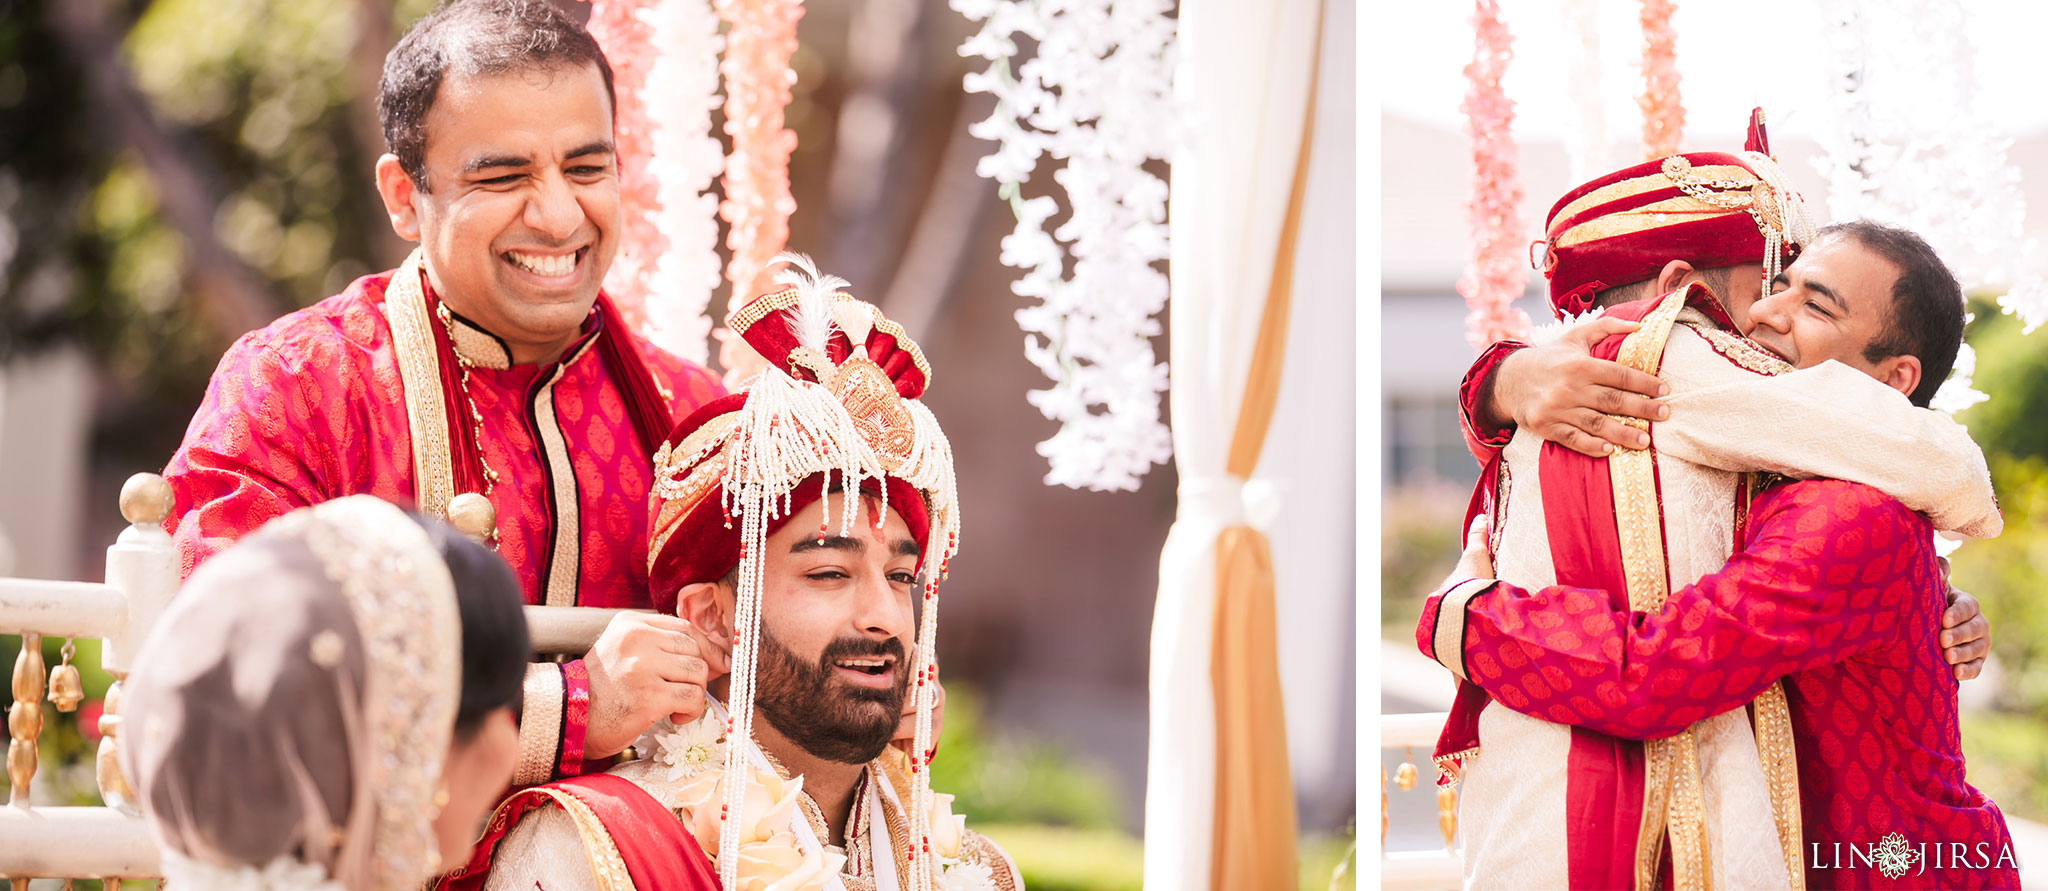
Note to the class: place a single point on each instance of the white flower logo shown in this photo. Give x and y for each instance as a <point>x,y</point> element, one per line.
<point>1894,855</point>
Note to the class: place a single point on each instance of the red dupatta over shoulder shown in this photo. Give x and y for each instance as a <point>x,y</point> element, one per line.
<point>632,841</point>
<point>1605,775</point>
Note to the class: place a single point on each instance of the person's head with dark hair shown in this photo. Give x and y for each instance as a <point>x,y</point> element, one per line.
<point>1874,297</point>
<point>495,650</point>
<point>469,39</point>
<point>1737,287</point>
<point>495,645</point>
<point>498,116</point>
<point>336,690</point>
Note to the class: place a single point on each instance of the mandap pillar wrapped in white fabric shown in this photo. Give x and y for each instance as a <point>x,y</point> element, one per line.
<point>1244,83</point>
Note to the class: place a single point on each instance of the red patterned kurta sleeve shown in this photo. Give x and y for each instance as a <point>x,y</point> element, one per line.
<point>1476,387</point>
<point>252,451</point>
<point>1815,584</point>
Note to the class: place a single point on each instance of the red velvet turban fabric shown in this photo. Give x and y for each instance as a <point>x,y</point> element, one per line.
<point>1707,208</point>
<point>694,539</point>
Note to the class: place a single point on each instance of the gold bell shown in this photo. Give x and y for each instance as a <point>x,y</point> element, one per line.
<point>66,690</point>
<point>1404,776</point>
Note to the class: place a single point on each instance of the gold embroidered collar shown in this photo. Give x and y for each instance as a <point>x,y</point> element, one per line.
<point>475,345</point>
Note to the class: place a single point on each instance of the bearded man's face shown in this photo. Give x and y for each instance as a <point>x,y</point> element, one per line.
<point>827,716</point>
<point>834,666</point>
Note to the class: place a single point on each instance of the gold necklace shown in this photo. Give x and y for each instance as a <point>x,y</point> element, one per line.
<point>476,418</point>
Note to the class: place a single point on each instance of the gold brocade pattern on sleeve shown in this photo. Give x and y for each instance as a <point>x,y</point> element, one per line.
<point>540,724</point>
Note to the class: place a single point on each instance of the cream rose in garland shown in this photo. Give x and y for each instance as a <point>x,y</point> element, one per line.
<point>948,832</point>
<point>690,759</point>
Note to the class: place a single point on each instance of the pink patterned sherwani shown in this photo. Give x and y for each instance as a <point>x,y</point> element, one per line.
<point>311,408</point>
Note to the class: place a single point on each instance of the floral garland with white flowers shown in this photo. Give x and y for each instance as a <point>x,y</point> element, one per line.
<point>687,160</point>
<point>1099,95</point>
<point>1586,142</point>
<point>667,266</point>
<point>1906,142</point>
<point>689,763</point>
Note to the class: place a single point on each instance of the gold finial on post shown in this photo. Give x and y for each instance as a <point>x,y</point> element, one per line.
<point>472,514</point>
<point>25,720</point>
<point>146,499</point>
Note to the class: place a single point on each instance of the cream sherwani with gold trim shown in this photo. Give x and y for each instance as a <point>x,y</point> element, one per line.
<point>546,849</point>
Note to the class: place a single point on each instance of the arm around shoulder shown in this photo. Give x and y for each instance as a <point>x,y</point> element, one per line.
<point>1831,421</point>
<point>1584,657</point>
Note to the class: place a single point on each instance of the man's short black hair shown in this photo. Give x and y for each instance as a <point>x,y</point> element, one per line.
<point>495,641</point>
<point>1926,318</point>
<point>473,38</point>
<point>1717,278</point>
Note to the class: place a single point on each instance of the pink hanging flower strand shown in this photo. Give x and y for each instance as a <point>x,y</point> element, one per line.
<point>757,198</point>
<point>627,39</point>
<point>1663,112</point>
<point>1497,274</point>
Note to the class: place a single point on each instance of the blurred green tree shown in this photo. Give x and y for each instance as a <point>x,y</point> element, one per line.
<point>1419,543</point>
<point>2012,366</point>
<point>175,173</point>
<point>2007,748</point>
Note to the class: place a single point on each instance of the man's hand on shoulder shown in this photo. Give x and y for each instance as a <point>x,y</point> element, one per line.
<point>1562,394</point>
<point>1965,633</point>
<point>645,667</point>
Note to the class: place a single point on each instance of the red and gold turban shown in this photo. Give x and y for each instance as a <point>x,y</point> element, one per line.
<point>1707,208</point>
<point>694,539</point>
<point>837,406</point>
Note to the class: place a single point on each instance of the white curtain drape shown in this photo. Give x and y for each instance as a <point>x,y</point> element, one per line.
<point>1245,77</point>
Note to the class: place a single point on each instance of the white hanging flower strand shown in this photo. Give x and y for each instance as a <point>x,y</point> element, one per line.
<point>1099,95</point>
<point>687,160</point>
<point>1906,143</point>
<point>1586,142</point>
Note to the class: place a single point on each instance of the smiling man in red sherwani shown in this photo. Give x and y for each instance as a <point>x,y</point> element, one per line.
<point>1835,589</point>
<point>488,364</point>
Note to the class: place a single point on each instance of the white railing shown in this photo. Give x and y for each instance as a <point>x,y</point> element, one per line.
<point>142,575</point>
<point>567,630</point>
<point>111,841</point>
<point>1427,870</point>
